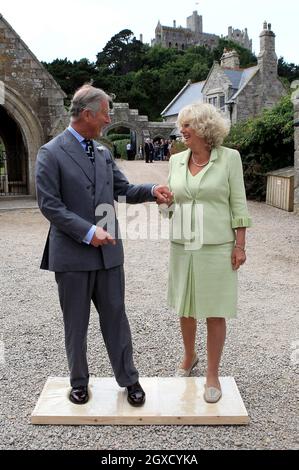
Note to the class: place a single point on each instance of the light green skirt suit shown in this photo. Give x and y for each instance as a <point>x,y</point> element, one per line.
<point>207,208</point>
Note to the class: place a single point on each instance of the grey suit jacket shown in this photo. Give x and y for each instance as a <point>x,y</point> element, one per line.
<point>69,189</point>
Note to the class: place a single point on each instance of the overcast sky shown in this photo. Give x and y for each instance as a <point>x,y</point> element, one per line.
<point>81,28</point>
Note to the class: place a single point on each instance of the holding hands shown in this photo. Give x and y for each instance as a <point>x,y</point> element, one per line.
<point>163,195</point>
<point>102,237</point>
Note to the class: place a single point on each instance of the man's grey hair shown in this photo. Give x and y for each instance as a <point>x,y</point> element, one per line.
<point>87,97</point>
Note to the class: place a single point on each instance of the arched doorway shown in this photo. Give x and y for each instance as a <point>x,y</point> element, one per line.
<point>21,135</point>
<point>13,157</point>
<point>124,139</point>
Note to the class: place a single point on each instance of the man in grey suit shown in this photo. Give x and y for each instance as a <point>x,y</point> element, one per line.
<point>73,178</point>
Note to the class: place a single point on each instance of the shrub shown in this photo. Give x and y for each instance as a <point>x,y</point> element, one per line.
<point>266,143</point>
<point>121,147</point>
<point>177,146</point>
<point>114,137</point>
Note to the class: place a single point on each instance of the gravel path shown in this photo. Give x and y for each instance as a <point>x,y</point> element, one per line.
<point>260,350</point>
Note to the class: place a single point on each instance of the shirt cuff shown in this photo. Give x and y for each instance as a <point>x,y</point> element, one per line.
<point>88,237</point>
<point>153,188</point>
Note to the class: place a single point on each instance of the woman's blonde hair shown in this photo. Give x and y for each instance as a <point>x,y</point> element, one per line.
<point>207,122</point>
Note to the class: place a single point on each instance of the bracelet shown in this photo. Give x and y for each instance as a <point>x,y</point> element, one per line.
<point>240,248</point>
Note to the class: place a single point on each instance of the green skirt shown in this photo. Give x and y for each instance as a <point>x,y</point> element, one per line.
<point>202,282</point>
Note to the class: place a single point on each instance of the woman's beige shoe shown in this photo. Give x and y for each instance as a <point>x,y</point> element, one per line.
<point>212,394</point>
<point>180,372</point>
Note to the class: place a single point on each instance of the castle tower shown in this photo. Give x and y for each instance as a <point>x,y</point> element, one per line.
<point>241,37</point>
<point>267,58</point>
<point>194,22</point>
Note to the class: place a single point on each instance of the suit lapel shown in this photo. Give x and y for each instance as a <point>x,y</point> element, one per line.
<point>100,169</point>
<point>74,149</point>
<point>183,170</point>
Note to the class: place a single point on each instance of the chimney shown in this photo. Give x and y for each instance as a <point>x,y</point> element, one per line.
<point>230,59</point>
<point>267,58</point>
<point>141,38</point>
<point>174,23</point>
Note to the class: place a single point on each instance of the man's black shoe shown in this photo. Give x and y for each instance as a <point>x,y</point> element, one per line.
<point>136,395</point>
<point>79,395</point>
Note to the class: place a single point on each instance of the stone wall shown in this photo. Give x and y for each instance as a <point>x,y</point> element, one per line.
<point>248,102</point>
<point>217,83</point>
<point>21,70</point>
<point>32,108</point>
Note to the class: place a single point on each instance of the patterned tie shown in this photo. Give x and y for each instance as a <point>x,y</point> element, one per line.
<point>89,149</point>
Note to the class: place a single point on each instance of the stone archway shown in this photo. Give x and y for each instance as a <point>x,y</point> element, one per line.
<point>22,135</point>
<point>32,109</point>
<point>127,125</point>
<point>122,116</point>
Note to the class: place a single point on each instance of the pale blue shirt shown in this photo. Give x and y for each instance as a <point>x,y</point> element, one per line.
<point>88,237</point>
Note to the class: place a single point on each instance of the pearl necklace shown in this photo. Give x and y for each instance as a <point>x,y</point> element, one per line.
<point>200,165</point>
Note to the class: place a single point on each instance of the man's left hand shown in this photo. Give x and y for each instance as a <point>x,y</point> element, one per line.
<point>163,195</point>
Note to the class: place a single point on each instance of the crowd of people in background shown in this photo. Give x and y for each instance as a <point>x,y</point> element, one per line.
<point>152,150</point>
<point>155,150</point>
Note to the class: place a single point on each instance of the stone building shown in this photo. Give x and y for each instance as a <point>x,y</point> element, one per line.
<point>190,93</point>
<point>241,37</point>
<point>239,93</point>
<point>193,35</point>
<point>31,111</point>
<point>140,127</point>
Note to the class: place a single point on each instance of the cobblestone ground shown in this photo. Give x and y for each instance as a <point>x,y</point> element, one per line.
<point>261,351</point>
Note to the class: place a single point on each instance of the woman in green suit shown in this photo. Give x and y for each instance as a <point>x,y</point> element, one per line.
<point>209,220</point>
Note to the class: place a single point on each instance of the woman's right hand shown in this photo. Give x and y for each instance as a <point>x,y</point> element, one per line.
<point>238,257</point>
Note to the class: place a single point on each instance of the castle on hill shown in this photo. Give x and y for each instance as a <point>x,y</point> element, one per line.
<point>193,35</point>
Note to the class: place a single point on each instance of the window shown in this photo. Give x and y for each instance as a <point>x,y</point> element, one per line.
<point>213,101</point>
<point>222,102</point>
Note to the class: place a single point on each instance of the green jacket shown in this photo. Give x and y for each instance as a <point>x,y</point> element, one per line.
<point>220,197</point>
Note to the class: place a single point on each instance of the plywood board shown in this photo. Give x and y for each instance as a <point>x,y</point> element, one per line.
<point>169,400</point>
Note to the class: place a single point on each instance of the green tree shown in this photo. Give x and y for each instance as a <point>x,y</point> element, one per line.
<point>148,77</point>
<point>288,71</point>
<point>247,58</point>
<point>71,75</point>
<point>122,54</point>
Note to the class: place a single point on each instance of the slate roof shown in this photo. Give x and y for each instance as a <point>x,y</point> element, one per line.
<point>192,92</point>
<point>188,95</point>
<point>246,77</point>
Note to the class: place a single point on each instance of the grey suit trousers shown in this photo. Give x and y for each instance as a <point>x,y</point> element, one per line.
<point>106,289</point>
